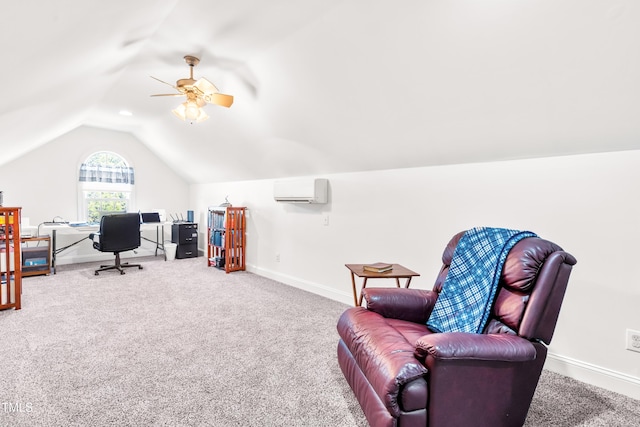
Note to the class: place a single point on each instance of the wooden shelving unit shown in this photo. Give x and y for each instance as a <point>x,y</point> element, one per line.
<point>10,260</point>
<point>36,260</point>
<point>226,241</point>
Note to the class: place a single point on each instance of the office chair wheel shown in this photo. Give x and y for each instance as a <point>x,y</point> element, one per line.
<point>96,273</point>
<point>122,272</point>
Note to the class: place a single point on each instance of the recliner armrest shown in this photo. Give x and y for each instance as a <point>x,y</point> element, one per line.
<point>467,346</point>
<point>413,305</point>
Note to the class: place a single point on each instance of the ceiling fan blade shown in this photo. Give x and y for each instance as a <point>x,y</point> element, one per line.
<point>169,94</point>
<point>219,99</point>
<point>205,86</point>
<point>162,81</point>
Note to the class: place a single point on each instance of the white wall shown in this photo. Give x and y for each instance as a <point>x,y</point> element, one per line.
<point>414,83</point>
<point>588,204</point>
<point>45,183</point>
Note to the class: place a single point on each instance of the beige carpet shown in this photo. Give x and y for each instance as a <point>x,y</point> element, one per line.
<point>182,344</point>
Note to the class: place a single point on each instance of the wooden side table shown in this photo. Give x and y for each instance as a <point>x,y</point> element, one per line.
<point>397,272</point>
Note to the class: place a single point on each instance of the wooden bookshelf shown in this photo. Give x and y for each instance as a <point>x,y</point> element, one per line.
<point>10,259</point>
<point>226,241</point>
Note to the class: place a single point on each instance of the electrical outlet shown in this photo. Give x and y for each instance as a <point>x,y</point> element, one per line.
<point>325,220</point>
<point>277,257</point>
<point>633,340</point>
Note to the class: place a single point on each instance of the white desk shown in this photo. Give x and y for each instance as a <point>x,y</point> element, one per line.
<point>83,231</point>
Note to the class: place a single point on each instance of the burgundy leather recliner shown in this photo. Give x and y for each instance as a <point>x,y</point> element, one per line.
<point>403,374</point>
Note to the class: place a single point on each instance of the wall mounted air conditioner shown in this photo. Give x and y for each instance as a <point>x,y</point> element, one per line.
<point>301,190</point>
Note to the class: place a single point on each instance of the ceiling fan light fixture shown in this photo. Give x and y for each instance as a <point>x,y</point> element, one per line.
<point>199,93</point>
<point>202,116</point>
<point>190,111</point>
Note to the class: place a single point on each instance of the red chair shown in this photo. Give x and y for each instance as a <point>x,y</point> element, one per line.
<point>403,374</point>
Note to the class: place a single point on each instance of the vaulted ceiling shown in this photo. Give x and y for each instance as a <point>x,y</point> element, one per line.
<point>326,86</point>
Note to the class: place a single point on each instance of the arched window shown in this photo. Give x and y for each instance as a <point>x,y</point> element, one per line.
<point>105,186</point>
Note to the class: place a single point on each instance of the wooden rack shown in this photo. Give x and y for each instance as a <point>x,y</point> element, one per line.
<point>226,242</point>
<point>10,262</point>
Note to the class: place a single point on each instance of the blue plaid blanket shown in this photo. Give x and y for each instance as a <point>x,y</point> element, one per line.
<point>472,281</point>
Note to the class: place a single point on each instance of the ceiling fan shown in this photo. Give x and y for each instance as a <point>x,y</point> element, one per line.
<point>198,92</point>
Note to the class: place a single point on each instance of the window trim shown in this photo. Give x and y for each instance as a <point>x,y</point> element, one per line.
<point>89,186</point>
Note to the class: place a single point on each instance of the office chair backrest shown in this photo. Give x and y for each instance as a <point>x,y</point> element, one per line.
<point>119,232</point>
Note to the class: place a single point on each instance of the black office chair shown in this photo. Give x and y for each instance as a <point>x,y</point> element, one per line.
<point>118,233</point>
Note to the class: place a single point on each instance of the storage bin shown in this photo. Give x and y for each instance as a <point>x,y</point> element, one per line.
<point>170,250</point>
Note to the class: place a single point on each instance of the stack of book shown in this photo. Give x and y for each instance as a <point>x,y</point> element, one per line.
<point>378,267</point>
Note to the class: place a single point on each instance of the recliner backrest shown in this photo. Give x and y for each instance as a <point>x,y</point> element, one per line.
<point>531,288</point>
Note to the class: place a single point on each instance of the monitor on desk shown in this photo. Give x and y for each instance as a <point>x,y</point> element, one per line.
<point>148,217</point>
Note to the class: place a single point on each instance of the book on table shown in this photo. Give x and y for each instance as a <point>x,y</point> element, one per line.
<point>377,267</point>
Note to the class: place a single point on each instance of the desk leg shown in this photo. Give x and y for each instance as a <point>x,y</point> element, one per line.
<point>53,252</point>
<point>56,251</point>
<point>157,236</point>
<point>408,283</point>
<point>160,240</point>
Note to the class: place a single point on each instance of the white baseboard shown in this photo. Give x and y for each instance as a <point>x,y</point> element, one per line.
<point>594,375</point>
<point>343,297</point>
<point>576,369</point>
